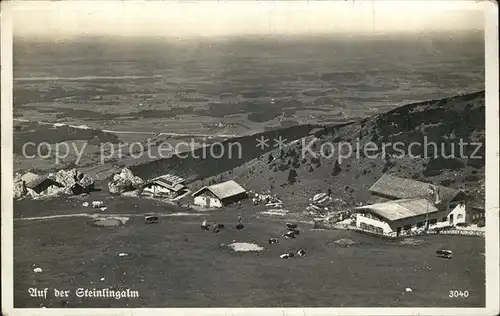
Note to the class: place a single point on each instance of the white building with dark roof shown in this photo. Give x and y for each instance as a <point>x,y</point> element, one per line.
<point>219,195</point>
<point>405,204</point>
<point>398,216</point>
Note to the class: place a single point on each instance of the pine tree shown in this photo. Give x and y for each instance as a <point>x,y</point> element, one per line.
<point>292,176</point>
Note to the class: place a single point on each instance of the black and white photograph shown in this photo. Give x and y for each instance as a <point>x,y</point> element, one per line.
<point>226,155</point>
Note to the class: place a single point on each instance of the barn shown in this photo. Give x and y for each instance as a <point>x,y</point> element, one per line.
<point>167,186</point>
<point>390,187</point>
<point>398,216</point>
<point>450,200</point>
<point>82,185</point>
<point>43,185</point>
<point>219,195</point>
<point>401,204</point>
<point>475,213</point>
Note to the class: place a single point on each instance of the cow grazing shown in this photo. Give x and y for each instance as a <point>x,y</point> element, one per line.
<point>287,255</point>
<point>239,226</point>
<point>301,253</point>
<point>273,241</point>
<point>152,219</point>
<point>288,235</point>
<point>215,228</point>
<point>290,226</point>
<point>204,225</point>
<point>97,204</point>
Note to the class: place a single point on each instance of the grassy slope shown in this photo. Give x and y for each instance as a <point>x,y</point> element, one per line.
<point>462,116</point>
<point>175,264</point>
<point>196,167</point>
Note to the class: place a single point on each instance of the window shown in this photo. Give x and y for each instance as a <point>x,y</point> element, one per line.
<point>459,216</point>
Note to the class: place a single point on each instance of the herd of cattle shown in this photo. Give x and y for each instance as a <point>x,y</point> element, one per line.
<point>292,231</point>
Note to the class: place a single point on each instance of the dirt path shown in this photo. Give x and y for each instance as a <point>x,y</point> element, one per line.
<point>96,215</point>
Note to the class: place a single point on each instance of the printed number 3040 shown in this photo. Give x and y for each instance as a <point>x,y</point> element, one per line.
<point>455,294</point>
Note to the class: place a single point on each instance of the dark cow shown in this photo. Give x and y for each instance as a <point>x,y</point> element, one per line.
<point>152,219</point>
<point>290,226</point>
<point>273,241</point>
<point>217,227</point>
<point>239,226</point>
<point>289,234</point>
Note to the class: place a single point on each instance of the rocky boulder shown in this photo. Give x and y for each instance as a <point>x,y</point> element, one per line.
<point>70,177</point>
<point>323,205</point>
<point>321,200</point>
<point>124,181</point>
<point>66,178</point>
<point>19,190</point>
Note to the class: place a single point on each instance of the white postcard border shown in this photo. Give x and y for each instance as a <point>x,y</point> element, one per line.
<point>492,198</point>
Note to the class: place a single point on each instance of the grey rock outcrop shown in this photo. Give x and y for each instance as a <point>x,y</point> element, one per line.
<point>65,182</point>
<point>124,181</point>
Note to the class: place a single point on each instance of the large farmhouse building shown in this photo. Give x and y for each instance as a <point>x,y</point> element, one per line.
<point>403,205</point>
<point>165,186</point>
<point>219,195</point>
<point>398,216</point>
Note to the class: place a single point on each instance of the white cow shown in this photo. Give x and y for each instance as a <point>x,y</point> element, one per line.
<point>287,255</point>
<point>97,204</point>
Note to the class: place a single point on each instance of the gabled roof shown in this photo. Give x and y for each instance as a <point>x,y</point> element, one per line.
<point>223,190</point>
<point>176,187</point>
<point>33,184</point>
<point>171,179</point>
<point>400,209</point>
<point>403,188</point>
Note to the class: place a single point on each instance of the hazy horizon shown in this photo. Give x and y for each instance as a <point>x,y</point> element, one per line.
<point>63,20</point>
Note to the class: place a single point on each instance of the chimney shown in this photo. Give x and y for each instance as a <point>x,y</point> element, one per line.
<point>431,191</point>
<point>438,198</point>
